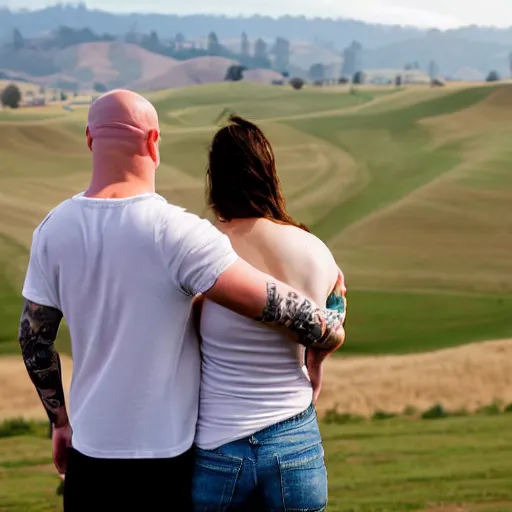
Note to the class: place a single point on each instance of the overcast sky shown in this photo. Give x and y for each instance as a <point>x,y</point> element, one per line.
<point>425,13</point>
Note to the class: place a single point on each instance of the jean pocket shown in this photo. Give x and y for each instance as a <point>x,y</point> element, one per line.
<point>304,480</point>
<point>214,480</point>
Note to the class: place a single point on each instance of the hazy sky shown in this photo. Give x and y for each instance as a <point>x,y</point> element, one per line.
<point>440,13</point>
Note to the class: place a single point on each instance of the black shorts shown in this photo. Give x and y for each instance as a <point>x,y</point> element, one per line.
<point>125,485</point>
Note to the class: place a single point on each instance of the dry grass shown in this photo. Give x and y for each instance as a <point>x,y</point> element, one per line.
<point>95,56</point>
<point>466,377</point>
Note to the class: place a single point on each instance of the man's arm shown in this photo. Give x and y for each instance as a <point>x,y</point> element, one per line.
<point>251,293</point>
<point>37,333</point>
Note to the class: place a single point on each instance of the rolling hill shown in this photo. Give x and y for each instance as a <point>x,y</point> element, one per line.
<point>118,64</point>
<point>449,51</point>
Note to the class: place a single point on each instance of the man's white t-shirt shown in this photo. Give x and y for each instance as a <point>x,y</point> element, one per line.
<point>123,272</point>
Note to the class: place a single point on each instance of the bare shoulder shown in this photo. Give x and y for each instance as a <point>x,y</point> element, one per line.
<point>306,261</point>
<point>304,244</point>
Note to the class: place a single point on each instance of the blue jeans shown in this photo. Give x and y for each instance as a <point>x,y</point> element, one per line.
<point>279,469</point>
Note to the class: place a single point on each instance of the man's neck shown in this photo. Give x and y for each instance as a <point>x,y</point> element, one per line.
<point>119,190</point>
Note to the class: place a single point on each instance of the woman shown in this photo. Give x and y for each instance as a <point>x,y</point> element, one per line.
<point>258,445</point>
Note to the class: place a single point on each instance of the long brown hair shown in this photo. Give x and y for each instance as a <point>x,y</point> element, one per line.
<point>242,180</point>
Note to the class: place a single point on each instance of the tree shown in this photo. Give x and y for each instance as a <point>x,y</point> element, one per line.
<point>281,51</point>
<point>213,44</point>
<point>245,47</point>
<point>17,40</point>
<point>11,96</point>
<point>493,76</point>
<point>358,78</point>
<point>343,80</point>
<point>317,72</point>
<point>235,73</point>
<point>398,81</point>
<point>99,87</point>
<point>352,59</point>
<point>297,83</point>
<point>179,40</point>
<point>260,49</point>
<point>433,69</point>
<point>153,42</point>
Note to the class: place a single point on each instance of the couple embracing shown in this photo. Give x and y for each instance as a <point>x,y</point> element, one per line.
<point>197,347</point>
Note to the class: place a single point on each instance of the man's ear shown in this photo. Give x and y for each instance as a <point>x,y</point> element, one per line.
<point>89,138</point>
<point>151,144</point>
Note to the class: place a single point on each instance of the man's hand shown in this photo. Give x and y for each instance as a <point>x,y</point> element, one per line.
<point>61,443</point>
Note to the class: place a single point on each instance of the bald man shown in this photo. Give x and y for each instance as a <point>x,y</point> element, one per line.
<point>122,266</point>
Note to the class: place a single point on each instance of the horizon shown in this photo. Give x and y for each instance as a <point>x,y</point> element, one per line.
<point>494,14</point>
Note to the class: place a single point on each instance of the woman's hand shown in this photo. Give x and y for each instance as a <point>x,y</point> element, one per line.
<point>336,301</point>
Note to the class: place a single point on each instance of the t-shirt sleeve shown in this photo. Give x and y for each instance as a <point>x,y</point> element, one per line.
<point>37,288</point>
<point>196,252</point>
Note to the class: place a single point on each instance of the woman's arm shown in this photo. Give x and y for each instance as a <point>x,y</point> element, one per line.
<point>336,301</point>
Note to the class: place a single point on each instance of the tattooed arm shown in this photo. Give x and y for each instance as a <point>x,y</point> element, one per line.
<point>37,334</point>
<point>252,293</point>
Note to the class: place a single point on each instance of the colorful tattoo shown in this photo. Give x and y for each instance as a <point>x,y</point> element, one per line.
<point>337,300</point>
<point>315,327</point>
<point>38,330</point>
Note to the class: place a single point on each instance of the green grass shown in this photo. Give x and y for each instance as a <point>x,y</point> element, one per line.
<point>386,465</point>
<point>425,269</point>
<point>400,159</point>
<point>394,322</point>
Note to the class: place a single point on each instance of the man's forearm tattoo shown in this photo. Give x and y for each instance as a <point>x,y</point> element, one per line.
<point>315,327</point>
<point>38,330</point>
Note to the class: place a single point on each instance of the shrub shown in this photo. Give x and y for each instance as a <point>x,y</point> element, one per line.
<point>235,73</point>
<point>11,96</point>
<point>490,410</point>
<point>15,427</point>
<point>21,427</point>
<point>508,409</point>
<point>333,416</point>
<point>436,82</point>
<point>358,78</point>
<point>434,413</point>
<point>410,411</point>
<point>493,76</point>
<point>98,87</point>
<point>382,415</point>
<point>297,83</point>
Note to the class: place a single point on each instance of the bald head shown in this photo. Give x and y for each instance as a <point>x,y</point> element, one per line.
<point>123,136</point>
<point>121,114</point>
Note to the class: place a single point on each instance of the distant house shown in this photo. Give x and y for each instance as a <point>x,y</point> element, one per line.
<point>35,102</point>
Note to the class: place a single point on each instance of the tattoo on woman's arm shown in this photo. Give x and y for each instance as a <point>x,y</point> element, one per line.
<point>337,300</point>
<point>315,327</point>
<point>37,333</point>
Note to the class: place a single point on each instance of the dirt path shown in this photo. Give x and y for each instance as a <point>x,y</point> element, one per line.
<point>465,377</point>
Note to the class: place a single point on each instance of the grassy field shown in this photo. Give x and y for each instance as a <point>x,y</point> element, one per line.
<point>410,188</point>
<point>448,465</point>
